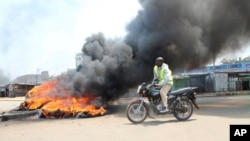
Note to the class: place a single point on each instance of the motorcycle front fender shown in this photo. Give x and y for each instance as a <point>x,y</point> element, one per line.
<point>142,103</point>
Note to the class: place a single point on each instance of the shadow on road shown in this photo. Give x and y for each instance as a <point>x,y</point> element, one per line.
<point>157,122</point>
<point>226,106</point>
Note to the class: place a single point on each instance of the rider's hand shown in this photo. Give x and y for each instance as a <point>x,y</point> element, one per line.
<point>156,85</point>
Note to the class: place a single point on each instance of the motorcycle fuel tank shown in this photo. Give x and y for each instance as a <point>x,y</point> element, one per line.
<point>155,92</point>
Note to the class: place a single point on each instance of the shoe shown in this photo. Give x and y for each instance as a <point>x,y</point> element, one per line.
<point>164,110</point>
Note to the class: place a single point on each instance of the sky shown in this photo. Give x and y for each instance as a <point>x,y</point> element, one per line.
<point>45,35</point>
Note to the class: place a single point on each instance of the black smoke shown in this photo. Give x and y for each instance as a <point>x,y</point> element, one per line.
<point>187,33</point>
<point>109,68</point>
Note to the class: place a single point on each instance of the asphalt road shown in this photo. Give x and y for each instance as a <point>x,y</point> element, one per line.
<point>210,123</point>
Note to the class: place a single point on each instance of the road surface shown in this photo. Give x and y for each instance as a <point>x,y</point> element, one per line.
<point>210,123</point>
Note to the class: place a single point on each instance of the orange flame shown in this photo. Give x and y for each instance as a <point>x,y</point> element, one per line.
<point>56,102</point>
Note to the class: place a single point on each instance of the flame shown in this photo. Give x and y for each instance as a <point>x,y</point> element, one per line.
<point>55,101</point>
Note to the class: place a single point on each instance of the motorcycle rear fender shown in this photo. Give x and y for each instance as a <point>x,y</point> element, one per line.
<point>189,96</point>
<point>192,98</point>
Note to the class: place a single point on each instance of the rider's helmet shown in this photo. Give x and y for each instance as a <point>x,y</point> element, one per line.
<point>159,59</point>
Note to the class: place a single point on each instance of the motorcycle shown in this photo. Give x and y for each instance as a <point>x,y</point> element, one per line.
<point>180,103</point>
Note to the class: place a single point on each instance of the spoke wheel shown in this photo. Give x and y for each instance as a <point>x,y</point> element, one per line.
<point>135,113</point>
<point>183,110</point>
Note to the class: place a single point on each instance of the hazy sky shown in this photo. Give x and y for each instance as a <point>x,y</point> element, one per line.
<point>45,35</point>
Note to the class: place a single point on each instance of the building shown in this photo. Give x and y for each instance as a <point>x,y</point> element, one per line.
<point>22,84</point>
<point>225,77</point>
<point>17,89</point>
<point>33,79</point>
<point>2,91</point>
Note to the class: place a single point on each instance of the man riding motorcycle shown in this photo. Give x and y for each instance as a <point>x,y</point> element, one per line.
<point>162,78</point>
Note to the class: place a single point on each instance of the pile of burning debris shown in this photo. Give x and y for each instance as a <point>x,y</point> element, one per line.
<point>47,101</point>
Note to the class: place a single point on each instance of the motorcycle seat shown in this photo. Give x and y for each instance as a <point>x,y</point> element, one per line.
<point>179,91</point>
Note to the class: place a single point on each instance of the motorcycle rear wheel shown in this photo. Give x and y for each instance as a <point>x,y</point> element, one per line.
<point>136,114</point>
<point>183,110</point>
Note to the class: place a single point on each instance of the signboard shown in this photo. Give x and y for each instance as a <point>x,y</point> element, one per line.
<point>237,67</point>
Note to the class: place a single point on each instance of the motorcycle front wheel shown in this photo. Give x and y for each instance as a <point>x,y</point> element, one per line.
<point>136,113</point>
<point>183,110</point>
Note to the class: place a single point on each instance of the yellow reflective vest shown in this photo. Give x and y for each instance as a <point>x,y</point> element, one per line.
<point>160,74</point>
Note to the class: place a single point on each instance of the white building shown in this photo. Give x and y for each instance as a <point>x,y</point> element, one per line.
<point>33,78</point>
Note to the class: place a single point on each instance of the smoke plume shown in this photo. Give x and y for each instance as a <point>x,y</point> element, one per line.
<point>187,33</point>
<point>108,68</point>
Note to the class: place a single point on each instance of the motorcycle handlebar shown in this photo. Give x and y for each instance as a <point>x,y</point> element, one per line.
<point>150,86</point>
